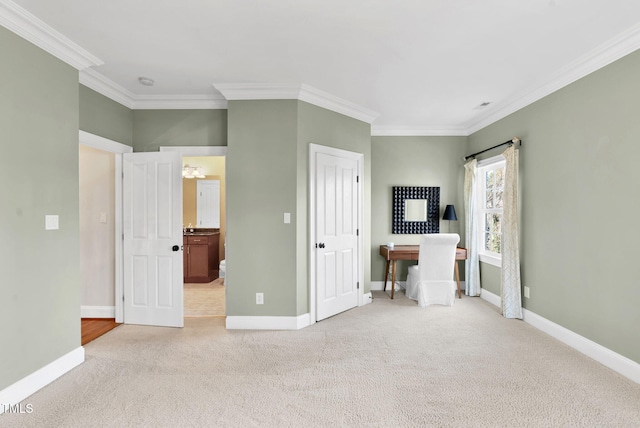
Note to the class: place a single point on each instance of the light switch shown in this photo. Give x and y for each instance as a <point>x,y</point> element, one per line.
<point>51,222</point>
<point>103,217</point>
<point>287,218</point>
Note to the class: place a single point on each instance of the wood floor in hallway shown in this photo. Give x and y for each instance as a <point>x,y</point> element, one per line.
<point>93,328</point>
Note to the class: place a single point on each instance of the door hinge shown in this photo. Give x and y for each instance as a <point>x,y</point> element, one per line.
<point>357,179</point>
<point>358,284</point>
<point>357,232</point>
<point>123,236</point>
<point>123,297</point>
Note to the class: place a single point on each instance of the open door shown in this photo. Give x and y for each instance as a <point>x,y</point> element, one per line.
<point>152,233</point>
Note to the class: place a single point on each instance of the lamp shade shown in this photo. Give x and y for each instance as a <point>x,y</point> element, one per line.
<point>449,213</point>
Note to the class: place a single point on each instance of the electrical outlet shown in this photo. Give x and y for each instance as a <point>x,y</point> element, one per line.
<point>526,292</point>
<point>259,298</point>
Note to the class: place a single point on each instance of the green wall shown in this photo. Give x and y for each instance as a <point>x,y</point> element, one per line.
<point>155,128</point>
<point>40,273</point>
<point>413,161</point>
<point>261,186</point>
<point>579,180</point>
<point>102,116</point>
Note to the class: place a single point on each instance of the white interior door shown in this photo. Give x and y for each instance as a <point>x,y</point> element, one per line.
<point>208,203</point>
<point>152,226</point>
<point>336,247</point>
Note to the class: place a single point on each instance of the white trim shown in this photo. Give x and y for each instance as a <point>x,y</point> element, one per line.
<point>605,356</point>
<point>15,393</point>
<point>483,163</point>
<point>289,91</point>
<point>366,299</point>
<point>314,149</point>
<point>612,50</point>
<point>118,149</point>
<point>258,91</point>
<point>267,323</point>
<point>433,131</point>
<point>97,311</point>
<point>490,297</point>
<point>101,143</point>
<point>490,259</point>
<point>107,87</point>
<point>179,102</point>
<point>494,162</point>
<point>101,84</point>
<point>196,150</point>
<point>31,28</point>
<point>331,102</point>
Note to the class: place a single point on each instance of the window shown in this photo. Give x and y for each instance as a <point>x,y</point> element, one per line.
<point>490,201</point>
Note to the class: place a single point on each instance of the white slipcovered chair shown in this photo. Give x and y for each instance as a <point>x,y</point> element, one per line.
<point>431,280</point>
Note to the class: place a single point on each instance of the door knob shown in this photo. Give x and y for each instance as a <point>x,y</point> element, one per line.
<point>175,248</point>
<point>321,245</point>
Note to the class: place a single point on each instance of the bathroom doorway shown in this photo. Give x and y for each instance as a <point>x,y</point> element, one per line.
<point>204,296</point>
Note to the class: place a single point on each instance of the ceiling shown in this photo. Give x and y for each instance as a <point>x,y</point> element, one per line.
<point>417,67</point>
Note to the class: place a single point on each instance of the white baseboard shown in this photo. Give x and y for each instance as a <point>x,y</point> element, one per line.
<point>605,356</point>
<point>366,299</point>
<point>490,297</point>
<point>268,323</point>
<point>28,385</point>
<point>97,311</point>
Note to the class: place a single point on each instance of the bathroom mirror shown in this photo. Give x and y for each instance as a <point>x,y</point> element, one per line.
<point>415,210</point>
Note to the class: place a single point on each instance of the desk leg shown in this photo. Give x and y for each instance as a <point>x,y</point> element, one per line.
<point>393,277</point>
<point>458,280</point>
<point>386,275</point>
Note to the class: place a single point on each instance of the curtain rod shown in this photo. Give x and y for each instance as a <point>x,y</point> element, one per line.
<point>514,140</point>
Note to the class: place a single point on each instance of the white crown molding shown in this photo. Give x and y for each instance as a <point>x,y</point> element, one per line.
<point>96,81</point>
<point>31,28</point>
<point>330,102</point>
<point>287,91</point>
<point>608,52</point>
<point>399,131</point>
<point>258,91</point>
<point>179,102</point>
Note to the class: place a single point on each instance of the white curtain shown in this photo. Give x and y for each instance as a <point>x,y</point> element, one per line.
<point>472,265</point>
<point>510,288</point>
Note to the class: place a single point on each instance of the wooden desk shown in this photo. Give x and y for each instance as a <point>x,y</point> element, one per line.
<point>410,252</point>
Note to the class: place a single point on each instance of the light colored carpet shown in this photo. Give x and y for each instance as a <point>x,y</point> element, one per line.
<point>204,300</point>
<point>386,364</point>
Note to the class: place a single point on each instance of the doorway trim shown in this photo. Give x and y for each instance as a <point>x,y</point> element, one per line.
<point>107,145</point>
<point>314,149</point>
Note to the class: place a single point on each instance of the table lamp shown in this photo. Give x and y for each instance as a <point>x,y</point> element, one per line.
<point>449,214</point>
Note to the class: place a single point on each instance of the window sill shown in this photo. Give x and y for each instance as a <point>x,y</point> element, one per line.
<point>491,260</point>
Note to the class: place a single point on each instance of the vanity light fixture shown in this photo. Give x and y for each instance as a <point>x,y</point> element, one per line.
<point>192,172</point>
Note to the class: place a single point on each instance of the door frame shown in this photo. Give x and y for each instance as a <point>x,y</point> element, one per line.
<point>107,145</point>
<point>315,149</point>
